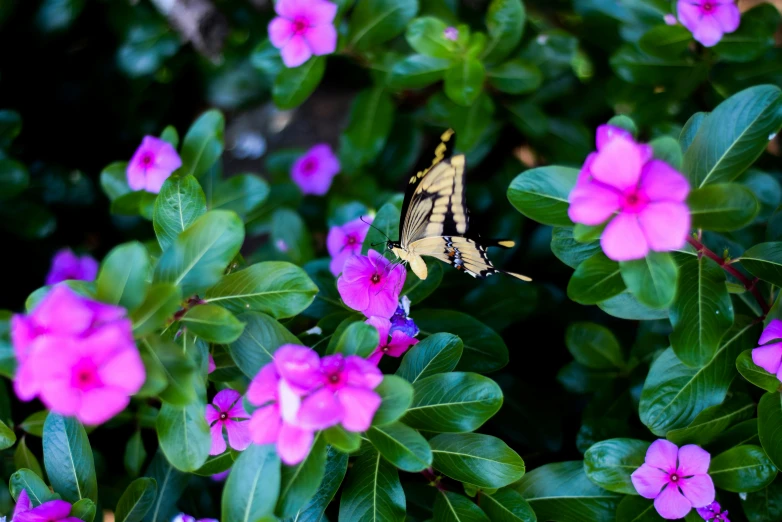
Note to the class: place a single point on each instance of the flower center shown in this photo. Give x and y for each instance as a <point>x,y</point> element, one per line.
<point>300,25</point>
<point>351,240</point>
<point>633,201</point>
<point>309,166</point>
<point>147,159</point>
<point>334,378</point>
<point>223,416</point>
<point>707,6</point>
<point>674,478</point>
<point>376,278</point>
<point>84,375</point>
<point>385,349</point>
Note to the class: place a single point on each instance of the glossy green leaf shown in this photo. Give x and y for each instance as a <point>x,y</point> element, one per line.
<point>755,374</point>
<point>160,304</point>
<point>242,194</point>
<point>261,337</point>
<point>216,464</point>
<point>180,202</point>
<point>371,117</point>
<point>24,458</point>
<point>438,353</point>
<point>67,457</point>
<point>542,193</point>
<point>505,22</point>
<point>13,178</point>
<point>594,346</point>
<point>713,421</point>
<point>7,436</point>
<point>184,435</point>
<point>84,510</point>
<point>372,491</point>
<point>373,22</point>
<point>402,446</point>
<point>358,338</point>
<point>764,505</point>
<point>170,485</point>
<point>177,369</point>
<point>253,487</point>
<point>626,306</point>
<point>336,466</point>
<point>426,35</point>
<point>416,289</point>
<point>742,469</point>
<point>37,490</point>
<point>452,507</point>
<point>123,276</point>
<point>464,81</point>
<point>135,454</point>
<point>610,463</point>
<point>293,86</point>
<point>633,508</point>
<point>136,501</point>
<point>212,323</point>
<point>507,505</point>
<point>569,250</point>
<point>764,261</point>
<point>203,144</point>
<point>595,280</point>
<point>114,180</point>
<point>667,149</point>
<point>637,67</point>
<point>397,395</point>
<point>666,41</point>
<point>417,71</point>
<point>754,36</point>
<point>300,482</point>
<point>515,77</point>
<point>770,426</point>
<point>385,225</point>
<point>480,460</point>
<point>652,280</point>
<point>722,207</point>
<point>342,440</point>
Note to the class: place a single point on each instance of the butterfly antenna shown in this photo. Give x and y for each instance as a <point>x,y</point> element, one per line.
<point>373,226</point>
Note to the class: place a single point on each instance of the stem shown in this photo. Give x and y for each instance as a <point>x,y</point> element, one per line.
<point>433,479</point>
<point>750,285</point>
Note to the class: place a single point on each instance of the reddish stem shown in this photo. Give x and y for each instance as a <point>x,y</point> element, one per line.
<point>433,479</point>
<point>750,285</point>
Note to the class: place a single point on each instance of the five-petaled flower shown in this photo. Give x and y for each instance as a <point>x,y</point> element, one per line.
<point>395,346</point>
<point>68,266</point>
<point>151,164</point>
<point>345,241</point>
<point>371,285</point>
<point>676,478</point>
<point>769,354</point>
<point>314,171</point>
<point>643,198</point>
<point>226,411</point>
<point>713,513</point>
<point>708,20</point>
<point>303,28</point>
<point>401,320</point>
<point>51,511</point>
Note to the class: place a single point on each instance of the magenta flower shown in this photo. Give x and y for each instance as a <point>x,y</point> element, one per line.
<point>77,355</point>
<point>643,198</point>
<point>303,28</point>
<point>713,513</point>
<point>212,366</point>
<point>314,171</point>
<point>401,320</point>
<point>52,511</point>
<point>219,477</point>
<point>345,241</point>
<point>187,518</point>
<point>708,20</point>
<point>395,346</point>
<point>67,265</point>
<point>451,33</point>
<point>226,411</point>
<point>151,164</point>
<point>769,355</point>
<point>370,285</point>
<point>676,478</point>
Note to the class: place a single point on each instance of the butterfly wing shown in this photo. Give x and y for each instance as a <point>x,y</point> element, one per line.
<point>462,253</point>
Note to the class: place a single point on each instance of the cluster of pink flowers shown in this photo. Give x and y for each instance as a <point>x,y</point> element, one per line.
<point>52,511</point>
<point>676,478</point>
<point>643,199</point>
<point>344,242</point>
<point>709,20</point>
<point>152,163</point>
<point>303,28</point>
<point>768,355</point>
<point>68,266</point>
<point>77,355</point>
<point>314,171</point>
<point>300,393</point>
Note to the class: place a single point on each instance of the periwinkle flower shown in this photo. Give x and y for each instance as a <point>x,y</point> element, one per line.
<point>369,284</point>
<point>394,343</point>
<point>314,171</point>
<point>345,241</point>
<point>303,28</point>
<point>152,163</point>
<point>181,517</point>
<point>451,33</point>
<point>713,513</point>
<point>51,511</point>
<point>68,266</point>
<point>226,411</point>
<point>769,354</point>
<point>709,20</point>
<point>401,320</point>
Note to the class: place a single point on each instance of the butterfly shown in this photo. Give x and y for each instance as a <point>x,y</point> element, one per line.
<point>435,220</point>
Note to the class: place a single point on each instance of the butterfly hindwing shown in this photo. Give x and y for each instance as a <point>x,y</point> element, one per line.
<point>462,253</point>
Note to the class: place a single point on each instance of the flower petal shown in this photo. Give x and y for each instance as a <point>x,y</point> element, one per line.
<point>293,444</point>
<point>322,39</point>
<point>263,387</point>
<point>728,17</point>
<point>361,373</point>
<point>708,32</point>
<point>359,406</point>
<point>662,454</point>
<point>607,133</point>
<point>689,14</point>
<point>101,404</point>
<point>665,225</point>
<point>218,441</point>
<point>299,365</point>
<point>661,182</point>
<point>264,425</point>
<point>225,399</point>
<point>320,410</point>
<point>280,32</point>
<point>295,52</point>
<point>400,343</point>
<point>211,415</point>
<point>693,460</point>
<point>649,480</point>
<point>698,489</point>
<point>771,332</point>
<point>238,434</point>
<point>321,12</point>
<point>62,311</point>
<point>592,204</point>
<point>671,504</point>
<point>623,239</point>
<point>618,164</point>
<point>335,241</point>
<point>23,504</point>
<point>382,326</point>
<point>355,294</point>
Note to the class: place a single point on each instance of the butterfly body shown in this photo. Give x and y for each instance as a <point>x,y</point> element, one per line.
<point>435,220</point>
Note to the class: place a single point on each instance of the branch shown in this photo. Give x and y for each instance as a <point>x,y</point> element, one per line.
<point>433,479</point>
<point>198,22</point>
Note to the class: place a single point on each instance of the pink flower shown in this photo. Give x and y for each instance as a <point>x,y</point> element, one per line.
<point>669,19</point>
<point>369,284</point>
<point>314,171</point>
<point>643,198</point>
<point>397,345</point>
<point>187,518</point>
<point>676,478</point>
<point>151,164</point>
<point>346,241</point>
<point>66,265</point>
<point>212,366</point>
<point>226,411</point>
<point>219,477</point>
<point>713,513</point>
<point>52,511</point>
<point>769,355</point>
<point>303,28</point>
<point>451,33</point>
<point>708,20</point>
<point>77,355</point>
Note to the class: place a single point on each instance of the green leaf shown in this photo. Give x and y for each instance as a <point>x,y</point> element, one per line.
<point>713,421</point>
<point>170,135</point>
<point>416,289</point>
<point>626,306</point>
<point>480,460</point>
<point>417,71</point>
<point>371,117</point>
<point>595,280</point>
<point>123,276</point>
<point>633,508</point>
<point>24,458</point>
<point>594,346</point>
<point>203,144</point>
<point>634,66</point>
<point>438,353</point>
<point>505,22</point>
<point>742,469</point>
<point>666,41</point>
<point>764,261</point>
<point>722,207</point>
<point>336,466</point>
<point>343,440</point>
<point>464,81</point>
<point>426,35</point>
<point>184,435</point>
<point>562,492</point>
<point>261,337</point>
<point>755,374</point>
<point>34,423</point>
<point>372,491</point>
<point>515,77</point>
<point>170,485</point>
<point>357,339</point>
<point>674,394</point>
<point>451,507</point>
<point>253,487</point>
<point>652,280</point>
<point>770,426</point>
<point>242,194</point>
<point>7,436</point>
<point>213,324</point>
<point>180,202</point>
<point>765,504</point>
<point>507,505</point>
<point>542,193</point>
<point>610,463</point>
<point>483,351</point>
<point>178,369</point>
<point>386,222</point>
<point>667,149</point>
<point>216,464</point>
<point>114,180</point>
<point>13,179</point>
<point>289,228</point>
<point>67,457</point>
<point>84,510</point>
<point>198,257</point>
<point>10,127</point>
<point>732,137</point>
<point>135,454</point>
<point>453,402</point>
<point>136,501</point>
<point>754,36</point>
<point>161,302</point>
<point>373,22</point>
<point>402,446</point>
<point>569,250</point>
<point>300,482</point>
<point>37,490</point>
<point>397,395</point>
<point>701,312</point>
<point>293,86</point>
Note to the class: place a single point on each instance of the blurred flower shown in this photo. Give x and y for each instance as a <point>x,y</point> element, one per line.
<point>345,241</point>
<point>212,366</point>
<point>708,20</point>
<point>303,28</point>
<point>281,245</point>
<point>66,265</point>
<point>768,355</point>
<point>77,355</point>
<point>151,164</point>
<point>643,198</point>
<point>397,345</point>
<point>713,513</point>
<point>219,477</point>
<point>187,518</point>
<point>52,511</point>
<point>451,33</point>
<point>669,19</point>
<point>22,504</point>
<point>676,478</point>
<point>401,321</point>
<point>314,171</point>
<point>369,284</point>
<point>226,411</point>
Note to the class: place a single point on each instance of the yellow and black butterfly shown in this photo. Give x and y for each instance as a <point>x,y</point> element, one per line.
<point>435,220</point>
